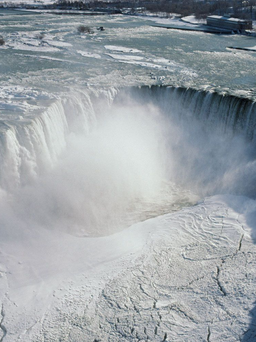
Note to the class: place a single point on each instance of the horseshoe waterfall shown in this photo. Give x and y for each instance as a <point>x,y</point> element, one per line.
<point>127,181</point>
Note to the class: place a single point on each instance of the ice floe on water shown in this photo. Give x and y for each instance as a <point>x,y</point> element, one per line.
<point>30,46</point>
<point>152,63</point>
<point>121,49</point>
<point>125,57</point>
<point>58,43</point>
<point>21,99</point>
<point>89,54</point>
<point>35,41</point>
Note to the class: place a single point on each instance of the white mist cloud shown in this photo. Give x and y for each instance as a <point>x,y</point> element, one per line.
<point>99,176</point>
<point>103,176</point>
<point>210,160</point>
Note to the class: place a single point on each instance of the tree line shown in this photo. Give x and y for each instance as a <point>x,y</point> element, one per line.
<point>245,9</point>
<point>200,8</point>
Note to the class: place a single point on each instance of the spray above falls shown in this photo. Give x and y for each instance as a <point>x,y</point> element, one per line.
<point>96,162</point>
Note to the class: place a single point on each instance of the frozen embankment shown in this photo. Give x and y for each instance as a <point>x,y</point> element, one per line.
<point>185,285</point>
<point>187,276</point>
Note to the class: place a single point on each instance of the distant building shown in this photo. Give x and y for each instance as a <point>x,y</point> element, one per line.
<point>229,23</point>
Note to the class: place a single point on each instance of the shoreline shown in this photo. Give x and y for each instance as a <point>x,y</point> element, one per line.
<point>205,29</point>
<point>185,25</point>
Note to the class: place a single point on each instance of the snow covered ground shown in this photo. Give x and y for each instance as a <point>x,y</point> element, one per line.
<point>188,21</point>
<point>172,278</point>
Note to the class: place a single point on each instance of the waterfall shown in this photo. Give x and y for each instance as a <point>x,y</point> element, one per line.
<point>225,111</point>
<point>208,138</point>
<point>31,145</point>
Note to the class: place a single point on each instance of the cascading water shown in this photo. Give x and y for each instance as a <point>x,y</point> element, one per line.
<point>94,163</point>
<point>209,138</point>
<point>84,165</point>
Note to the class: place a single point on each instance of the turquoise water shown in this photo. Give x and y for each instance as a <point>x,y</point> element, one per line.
<point>45,52</point>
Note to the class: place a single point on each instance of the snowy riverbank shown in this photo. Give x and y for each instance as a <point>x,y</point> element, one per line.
<point>170,278</point>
